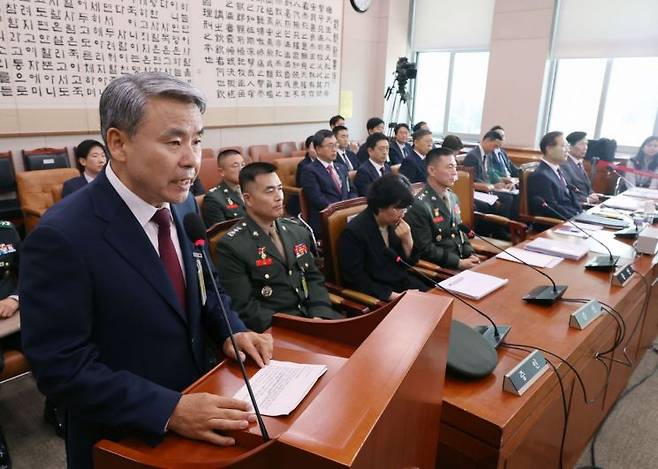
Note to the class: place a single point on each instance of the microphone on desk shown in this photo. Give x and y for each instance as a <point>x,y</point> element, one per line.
<point>471,350</point>
<point>544,294</point>
<point>196,232</point>
<point>603,263</point>
<point>621,177</point>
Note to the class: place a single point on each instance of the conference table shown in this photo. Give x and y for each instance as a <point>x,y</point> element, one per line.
<point>485,427</point>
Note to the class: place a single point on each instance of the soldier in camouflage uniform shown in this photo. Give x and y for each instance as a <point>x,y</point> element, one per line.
<point>435,216</point>
<point>265,262</point>
<point>224,202</point>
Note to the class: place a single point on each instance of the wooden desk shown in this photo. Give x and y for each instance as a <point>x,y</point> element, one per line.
<point>484,427</point>
<point>378,405</point>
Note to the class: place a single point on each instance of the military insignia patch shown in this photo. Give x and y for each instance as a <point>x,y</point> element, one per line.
<point>264,262</point>
<point>261,252</point>
<point>266,291</point>
<point>438,219</point>
<point>300,250</point>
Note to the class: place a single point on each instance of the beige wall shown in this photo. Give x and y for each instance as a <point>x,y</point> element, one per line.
<point>368,40</point>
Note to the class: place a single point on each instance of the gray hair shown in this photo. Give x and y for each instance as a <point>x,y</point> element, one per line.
<point>123,100</point>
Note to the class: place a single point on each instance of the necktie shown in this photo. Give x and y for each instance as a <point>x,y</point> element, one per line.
<point>381,171</point>
<point>276,240</point>
<point>346,160</point>
<point>582,170</point>
<point>334,177</point>
<point>563,181</point>
<point>446,201</point>
<point>162,218</point>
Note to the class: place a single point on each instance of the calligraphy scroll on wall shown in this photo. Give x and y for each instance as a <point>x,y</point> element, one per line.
<point>258,61</point>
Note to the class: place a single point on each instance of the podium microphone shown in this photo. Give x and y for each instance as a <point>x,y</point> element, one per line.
<point>196,232</point>
<point>544,295</point>
<point>471,350</point>
<point>603,263</point>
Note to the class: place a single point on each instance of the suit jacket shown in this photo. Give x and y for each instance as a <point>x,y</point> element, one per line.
<point>544,183</point>
<point>579,180</point>
<point>413,167</point>
<point>502,160</point>
<point>73,185</point>
<point>474,160</point>
<point>366,175</point>
<point>395,154</point>
<point>351,156</point>
<point>221,203</point>
<point>364,263</point>
<point>320,190</point>
<point>102,326</point>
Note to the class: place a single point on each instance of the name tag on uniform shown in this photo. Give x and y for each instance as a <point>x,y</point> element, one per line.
<point>264,262</point>
<point>232,206</point>
<point>437,219</point>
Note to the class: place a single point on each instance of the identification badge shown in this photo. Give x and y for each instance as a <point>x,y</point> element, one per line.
<point>202,282</point>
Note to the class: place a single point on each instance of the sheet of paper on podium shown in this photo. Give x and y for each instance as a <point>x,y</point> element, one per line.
<point>280,386</point>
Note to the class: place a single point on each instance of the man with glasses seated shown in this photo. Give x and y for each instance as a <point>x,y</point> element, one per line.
<point>224,202</point>
<point>369,243</point>
<point>324,181</point>
<point>435,216</point>
<point>376,166</point>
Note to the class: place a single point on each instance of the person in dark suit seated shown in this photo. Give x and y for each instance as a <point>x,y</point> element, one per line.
<point>575,173</point>
<point>224,201</point>
<point>435,216</point>
<point>645,160</point>
<point>266,262</point>
<point>344,153</point>
<point>502,165</point>
<point>375,125</point>
<point>452,142</point>
<point>400,148</point>
<point>114,323</point>
<point>91,158</point>
<point>548,184</point>
<point>413,167</point>
<point>309,158</point>
<point>323,181</point>
<point>364,248</point>
<point>376,166</point>
<point>336,121</point>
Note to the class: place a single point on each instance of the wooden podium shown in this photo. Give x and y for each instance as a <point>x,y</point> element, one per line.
<point>378,404</point>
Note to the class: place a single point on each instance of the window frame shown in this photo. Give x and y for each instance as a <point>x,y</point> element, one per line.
<point>605,84</point>
<point>446,112</point>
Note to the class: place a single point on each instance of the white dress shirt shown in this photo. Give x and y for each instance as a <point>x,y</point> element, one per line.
<point>143,212</point>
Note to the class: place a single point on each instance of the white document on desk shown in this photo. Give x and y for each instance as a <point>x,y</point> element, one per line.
<point>623,203</point>
<point>559,248</point>
<point>488,199</point>
<point>473,285</point>
<point>535,259</point>
<point>280,386</point>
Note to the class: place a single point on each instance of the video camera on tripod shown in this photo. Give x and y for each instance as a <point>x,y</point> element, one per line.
<point>404,71</point>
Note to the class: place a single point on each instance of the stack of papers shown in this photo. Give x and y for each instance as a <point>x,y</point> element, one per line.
<point>488,199</point>
<point>601,220</point>
<point>642,193</point>
<point>623,203</point>
<point>473,285</point>
<point>554,247</point>
<point>280,386</point>
<point>532,258</point>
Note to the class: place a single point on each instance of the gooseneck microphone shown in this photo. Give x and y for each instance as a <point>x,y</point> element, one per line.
<point>603,263</point>
<point>196,232</point>
<point>544,295</point>
<point>471,351</point>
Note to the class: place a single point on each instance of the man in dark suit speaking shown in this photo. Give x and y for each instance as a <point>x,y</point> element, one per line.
<point>113,313</point>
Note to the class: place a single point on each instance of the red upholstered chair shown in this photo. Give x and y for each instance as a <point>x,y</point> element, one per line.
<point>256,150</point>
<point>286,147</point>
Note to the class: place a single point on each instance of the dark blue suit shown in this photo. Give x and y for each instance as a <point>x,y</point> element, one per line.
<point>544,183</point>
<point>413,167</point>
<point>320,190</point>
<point>366,175</point>
<point>73,185</point>
<point>351,156</point>
<point>395,154</point>
<point>101,324</point>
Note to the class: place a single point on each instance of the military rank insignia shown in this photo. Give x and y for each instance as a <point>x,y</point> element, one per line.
<point>230,204</point>
<point>7,248</point>
<point>300,250</point>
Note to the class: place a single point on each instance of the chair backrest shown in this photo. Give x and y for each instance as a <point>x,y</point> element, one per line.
<point>520,156</point>
<point>56,192</point>
<point>524,206</point>
<point>333,221</point>
<point>302,145</point>
<point>298,153</point>
<point>464,189</point>
<point>216,232</point>
<point>256,150</point>
<point>45,158</point>
<point>208,153</point>
<point>35,187</point>
<point>7,173</point>
<point>209,174</point>
<point>271,156</point>
<point>286,147</point>
<point>286,169</point>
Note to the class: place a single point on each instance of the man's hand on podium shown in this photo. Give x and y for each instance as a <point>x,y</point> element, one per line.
<point>199,416</point>
<point>257,346</point>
